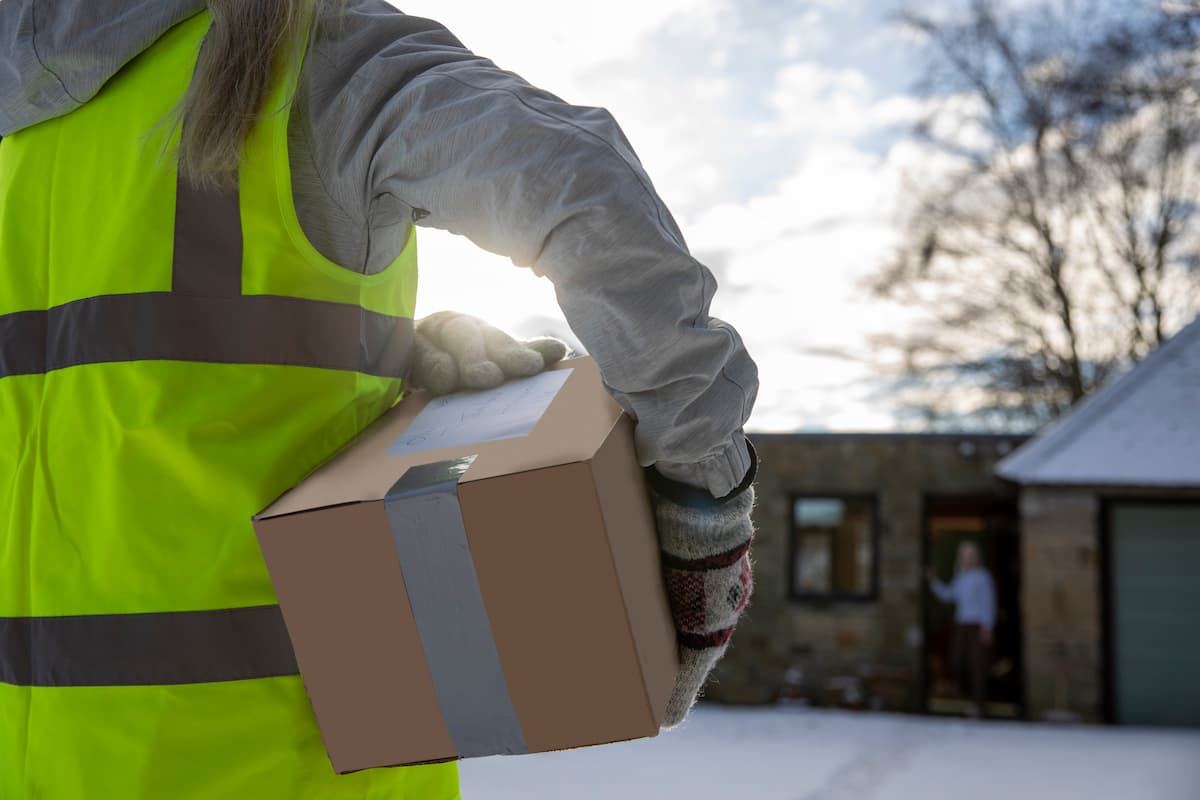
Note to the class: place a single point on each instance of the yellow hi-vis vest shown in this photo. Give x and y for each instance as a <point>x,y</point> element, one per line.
<point>171,360</point>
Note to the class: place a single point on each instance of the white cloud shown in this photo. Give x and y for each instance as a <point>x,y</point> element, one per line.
<point>800,253</point>
<point>548,43</point>
<point>777,158</point>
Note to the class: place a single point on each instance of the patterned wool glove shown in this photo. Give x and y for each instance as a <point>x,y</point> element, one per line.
<point>457,351</point>
<point>706,565</point>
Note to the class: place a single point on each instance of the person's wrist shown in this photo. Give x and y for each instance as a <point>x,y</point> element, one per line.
<point>690,496</point>
<point>720,471</point>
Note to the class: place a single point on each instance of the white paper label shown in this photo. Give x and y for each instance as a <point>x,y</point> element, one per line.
<point>506,412</point>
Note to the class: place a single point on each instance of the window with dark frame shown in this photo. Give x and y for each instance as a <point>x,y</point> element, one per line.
<point>833,547</point>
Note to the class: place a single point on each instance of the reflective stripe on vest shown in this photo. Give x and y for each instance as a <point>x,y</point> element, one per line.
<point>146,649</point>
<point>255,329</point>
<point>187,646</point>
<point>171,361</point>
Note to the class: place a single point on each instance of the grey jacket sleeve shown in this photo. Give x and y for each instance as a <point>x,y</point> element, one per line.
<point>445,138</point>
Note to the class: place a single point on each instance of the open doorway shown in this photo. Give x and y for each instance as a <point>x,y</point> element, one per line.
<point>992,525</point>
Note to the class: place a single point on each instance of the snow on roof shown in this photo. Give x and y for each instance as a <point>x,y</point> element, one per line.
<point>1143,429</point>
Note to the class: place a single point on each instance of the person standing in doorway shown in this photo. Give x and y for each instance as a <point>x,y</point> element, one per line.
<point>973,593</point>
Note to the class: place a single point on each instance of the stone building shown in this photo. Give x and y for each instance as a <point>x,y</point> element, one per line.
<point>1110,516</point>
<point>1091,531</point>
<point>846,524</point>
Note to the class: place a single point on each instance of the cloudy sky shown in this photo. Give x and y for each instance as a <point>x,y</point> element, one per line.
<point>775,132</point>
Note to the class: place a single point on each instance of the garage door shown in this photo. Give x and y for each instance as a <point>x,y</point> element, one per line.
<point>1155,574</point>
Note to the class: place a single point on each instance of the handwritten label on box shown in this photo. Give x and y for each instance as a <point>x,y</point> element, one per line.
<point>508,411</point>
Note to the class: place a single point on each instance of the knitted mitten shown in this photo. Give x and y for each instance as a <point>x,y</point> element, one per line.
<point>456,351</point>
<point>706,564</point>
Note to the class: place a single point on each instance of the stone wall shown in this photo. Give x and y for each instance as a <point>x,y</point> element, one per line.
<point>1062,597</point>
<point>807,646</point>
<point>1060,603</point>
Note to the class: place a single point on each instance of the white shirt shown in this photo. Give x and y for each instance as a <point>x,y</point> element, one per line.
<point>973,595</point>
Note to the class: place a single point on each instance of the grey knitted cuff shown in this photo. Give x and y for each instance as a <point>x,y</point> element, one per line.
<point>697,533</point>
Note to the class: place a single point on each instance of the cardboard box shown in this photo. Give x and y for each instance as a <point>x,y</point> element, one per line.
<point>477,574</point>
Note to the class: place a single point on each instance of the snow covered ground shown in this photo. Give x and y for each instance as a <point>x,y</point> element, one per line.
<point>794,753</point>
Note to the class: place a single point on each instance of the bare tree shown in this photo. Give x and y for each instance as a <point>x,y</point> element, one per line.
<point>1058,241</point>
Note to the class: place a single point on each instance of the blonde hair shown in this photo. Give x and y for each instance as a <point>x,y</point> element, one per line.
<point>247,47</point>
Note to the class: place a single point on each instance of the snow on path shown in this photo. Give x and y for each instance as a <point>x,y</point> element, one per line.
<point>794,753</point>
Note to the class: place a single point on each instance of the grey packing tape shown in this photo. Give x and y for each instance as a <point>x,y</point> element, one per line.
<point>447,604</point>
